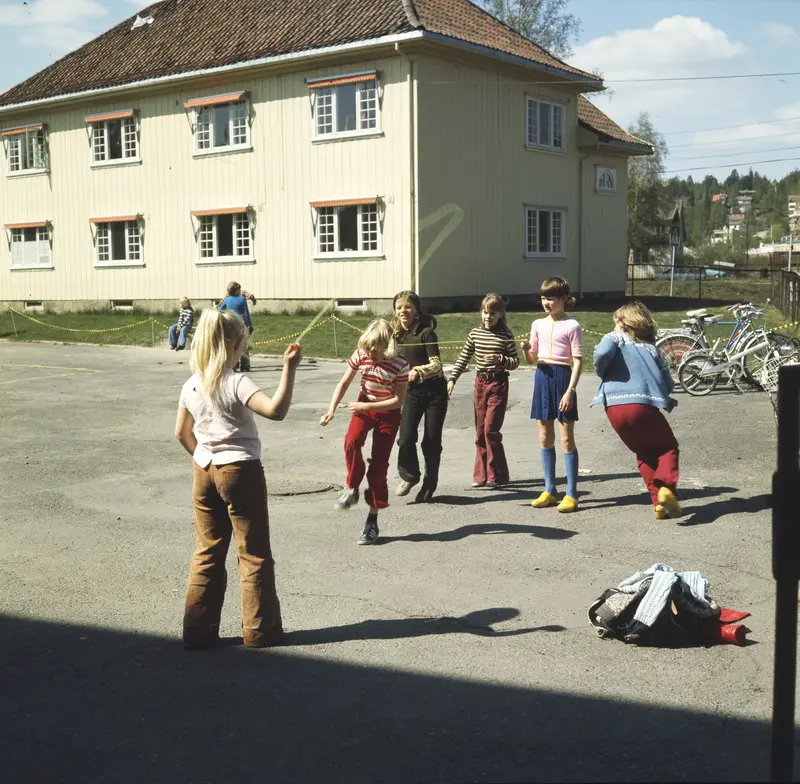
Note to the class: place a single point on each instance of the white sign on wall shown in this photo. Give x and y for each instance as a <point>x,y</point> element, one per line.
<point>606,179</point>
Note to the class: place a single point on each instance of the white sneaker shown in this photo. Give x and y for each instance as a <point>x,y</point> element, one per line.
<point>347,499</point>
<point>404,488</point>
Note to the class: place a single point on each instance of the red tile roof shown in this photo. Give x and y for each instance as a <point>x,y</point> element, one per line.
<point>191,35</point>
<point>592,118</point>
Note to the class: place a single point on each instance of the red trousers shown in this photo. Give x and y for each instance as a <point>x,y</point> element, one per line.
<point>491,399</point>
<point>646,432</point>
<point>384,425</point>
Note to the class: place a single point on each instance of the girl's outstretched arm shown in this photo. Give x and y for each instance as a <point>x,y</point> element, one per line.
<point>338,394</point>
<point>184,431</point>
<point>277,406</point>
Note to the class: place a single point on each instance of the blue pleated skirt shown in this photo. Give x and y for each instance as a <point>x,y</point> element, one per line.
<point>550,383</point>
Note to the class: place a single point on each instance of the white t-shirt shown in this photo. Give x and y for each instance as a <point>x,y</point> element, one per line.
<point>225,429</point>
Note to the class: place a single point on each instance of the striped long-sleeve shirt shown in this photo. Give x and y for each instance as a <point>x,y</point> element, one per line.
<point>186,318</point>
<point>483,343</point>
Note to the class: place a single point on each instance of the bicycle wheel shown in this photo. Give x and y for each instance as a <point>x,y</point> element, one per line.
<point>696,376</point>
<point>674,348</point>
<point>776,342</point>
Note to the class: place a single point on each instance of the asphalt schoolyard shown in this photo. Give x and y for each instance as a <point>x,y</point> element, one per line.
<point>456,650</point>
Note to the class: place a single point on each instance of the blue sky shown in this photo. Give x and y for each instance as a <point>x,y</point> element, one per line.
<point>625,39</point>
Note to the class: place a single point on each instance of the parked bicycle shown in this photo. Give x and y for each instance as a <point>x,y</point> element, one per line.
<point>675,345</point>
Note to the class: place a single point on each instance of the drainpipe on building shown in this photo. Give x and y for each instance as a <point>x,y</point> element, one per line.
<point>579,286</point>
<point>411,83</point>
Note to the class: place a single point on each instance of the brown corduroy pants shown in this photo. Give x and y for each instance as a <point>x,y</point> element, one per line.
<point>231,500</point>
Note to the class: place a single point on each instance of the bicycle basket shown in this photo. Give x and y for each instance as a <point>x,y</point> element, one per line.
<point>768,377</point>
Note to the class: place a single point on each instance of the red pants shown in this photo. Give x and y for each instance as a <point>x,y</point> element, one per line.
<point>646,432</point>
<point>383,425</point>
<point>491,399</point>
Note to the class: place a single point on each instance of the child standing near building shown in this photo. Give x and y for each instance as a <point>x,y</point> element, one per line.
<point>384,378</point>
<point>556,348</point>
<point>215,425</point>
<point>635,388</point>
<point>236,300</point>
<point>495,352</point>
<point>178,332</point>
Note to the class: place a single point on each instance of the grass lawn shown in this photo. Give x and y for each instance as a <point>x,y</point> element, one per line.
<point>115,328</point>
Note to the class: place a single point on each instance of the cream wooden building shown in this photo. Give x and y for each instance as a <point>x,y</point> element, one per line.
<point>347,152</point>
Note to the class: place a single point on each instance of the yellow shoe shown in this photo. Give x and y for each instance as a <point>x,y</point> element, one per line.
<point>667,499</point>
<point>661,513</point>
<point>568,504</point>
<point>545,499</point>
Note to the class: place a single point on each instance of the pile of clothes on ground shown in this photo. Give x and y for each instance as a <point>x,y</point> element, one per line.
<point>662,607</point>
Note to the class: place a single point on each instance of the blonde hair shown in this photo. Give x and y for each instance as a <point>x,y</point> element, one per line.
<point>637,321</point>
<point>378,336</point>
<point>216,330</point>
<point>494,304</point>
<point>234,288</point>
<point>186,302</point>
<point>558,287</point>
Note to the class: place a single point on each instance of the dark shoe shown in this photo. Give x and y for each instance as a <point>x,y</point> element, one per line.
<point>424,495</point>
<point>179,348</point>
<point>370,533</point>
<point>244,365</point>
<point>172,348</point>
<point>347,499</point>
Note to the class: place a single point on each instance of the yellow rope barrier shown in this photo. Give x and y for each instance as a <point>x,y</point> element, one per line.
<point>71,329</point>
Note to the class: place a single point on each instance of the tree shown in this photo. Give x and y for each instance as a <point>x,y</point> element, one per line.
<point>545,22</point>
<point>647,193</point>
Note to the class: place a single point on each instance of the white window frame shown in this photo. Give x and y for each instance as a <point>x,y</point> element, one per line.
<point>134,243</point>
<point>369,231</point>
<point>43,248</point>
<point>207,237</point>
<point>599,174</point>
<point>203,127</point>
<point>99,140</point>
<point>534,107</point>
<point>20,146</point>
<point>368,101</point>
<point>557,227</point>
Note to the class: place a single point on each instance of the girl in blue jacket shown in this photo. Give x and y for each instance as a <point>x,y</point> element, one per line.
<point>635,387</point>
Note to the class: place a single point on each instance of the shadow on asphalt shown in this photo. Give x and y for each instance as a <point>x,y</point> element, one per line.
<point>480,529</point>
<point>710,513</point>
<point>89,704</point>
<point>478,622</point>
<point>685,496</point>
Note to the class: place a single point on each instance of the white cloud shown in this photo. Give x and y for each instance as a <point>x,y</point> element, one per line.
<point>58,26</point>
<point>677,46</point>
<point>779,34</point>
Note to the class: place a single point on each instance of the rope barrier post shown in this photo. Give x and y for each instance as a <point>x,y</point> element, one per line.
<point>153,330</point>
<point>335,344</point>
<point>14,324</point>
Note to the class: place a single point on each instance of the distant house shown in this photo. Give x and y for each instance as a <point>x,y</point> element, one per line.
<point>793,210</point>
<point>720,197</point>
<point>311,155</point>
<point>671,232</point>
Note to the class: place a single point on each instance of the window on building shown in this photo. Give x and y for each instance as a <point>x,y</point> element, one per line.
<point>115,137</point>
<point>26,150</point>
<point>346,105</point>
<point>225,236</point>
<point>221,123</point>
<point>545,232</point>
<point>545,124</point>
<point>118,242</point>
<point>349,228</point>
<point>30,246</point>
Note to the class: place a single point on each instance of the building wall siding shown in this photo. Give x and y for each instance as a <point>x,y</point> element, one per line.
<point>282,174</point>
<point>472,125</point>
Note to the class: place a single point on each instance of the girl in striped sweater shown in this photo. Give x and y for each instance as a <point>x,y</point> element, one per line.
<point>495,352</point>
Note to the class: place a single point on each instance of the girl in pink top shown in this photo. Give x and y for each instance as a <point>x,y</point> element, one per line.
<point>556,348</point>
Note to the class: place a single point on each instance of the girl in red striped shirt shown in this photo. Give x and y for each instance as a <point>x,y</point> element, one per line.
<point>384,378</point>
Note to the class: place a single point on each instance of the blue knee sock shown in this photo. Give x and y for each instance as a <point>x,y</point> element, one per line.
<point>549,469</point>
<point>571,462</point>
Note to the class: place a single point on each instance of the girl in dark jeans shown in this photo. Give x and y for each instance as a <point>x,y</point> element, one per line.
<point>415,334</point>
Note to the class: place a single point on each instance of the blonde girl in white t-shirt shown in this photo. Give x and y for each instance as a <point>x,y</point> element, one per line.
<point>216,426</point>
